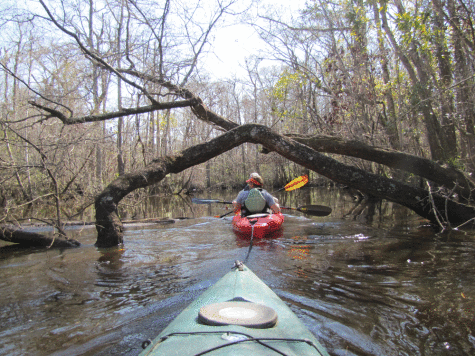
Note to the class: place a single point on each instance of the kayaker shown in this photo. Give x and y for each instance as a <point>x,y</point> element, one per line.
<point>254,199</point>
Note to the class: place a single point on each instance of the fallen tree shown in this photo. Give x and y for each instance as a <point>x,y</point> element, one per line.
<point>32,239</point>
<point>432,206</point>
<point>447,176</point>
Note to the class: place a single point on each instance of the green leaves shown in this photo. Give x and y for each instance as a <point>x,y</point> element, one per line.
<point>415,27</point>
<point>285,94</point>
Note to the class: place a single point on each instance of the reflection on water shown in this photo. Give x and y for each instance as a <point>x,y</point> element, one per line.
<point>374,282</point>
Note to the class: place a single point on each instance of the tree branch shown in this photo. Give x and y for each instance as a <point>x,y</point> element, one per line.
<point>449,177</point>
<point>199,109</point>
<point>113,115</point>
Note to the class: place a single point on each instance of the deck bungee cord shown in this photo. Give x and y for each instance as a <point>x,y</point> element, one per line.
<point>242,337</point>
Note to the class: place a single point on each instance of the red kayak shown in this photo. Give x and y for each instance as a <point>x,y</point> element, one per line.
<point>263,224</point>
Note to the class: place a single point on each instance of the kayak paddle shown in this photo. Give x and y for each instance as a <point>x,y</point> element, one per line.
<point>222,216</point>
<point>294,184</point>
<point>316,210</point>
<point>209,201</point>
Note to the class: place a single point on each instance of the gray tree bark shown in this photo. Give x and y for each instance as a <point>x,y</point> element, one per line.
<point>452,179</point>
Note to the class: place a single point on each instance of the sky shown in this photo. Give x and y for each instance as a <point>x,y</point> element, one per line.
<point>233,44</point>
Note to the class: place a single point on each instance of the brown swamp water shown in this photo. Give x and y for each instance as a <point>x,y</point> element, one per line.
<point>380,283</point>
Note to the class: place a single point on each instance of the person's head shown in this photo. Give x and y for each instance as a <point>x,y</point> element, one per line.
<point>255,180</point>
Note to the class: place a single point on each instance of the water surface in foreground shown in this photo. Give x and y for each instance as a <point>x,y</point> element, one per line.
<point>379,284</point>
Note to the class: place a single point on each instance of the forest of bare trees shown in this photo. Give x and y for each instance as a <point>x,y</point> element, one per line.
<point>100,98</point>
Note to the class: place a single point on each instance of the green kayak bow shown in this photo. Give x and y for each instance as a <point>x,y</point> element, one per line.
<point>239,315</point>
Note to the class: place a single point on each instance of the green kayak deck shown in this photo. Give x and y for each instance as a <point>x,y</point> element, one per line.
<point>239,315</point>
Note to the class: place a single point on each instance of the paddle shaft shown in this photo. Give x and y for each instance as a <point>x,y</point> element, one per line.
<point>316,210</point>
<point>278,190</point>
<point>222,216</point>
<point>210,201</point>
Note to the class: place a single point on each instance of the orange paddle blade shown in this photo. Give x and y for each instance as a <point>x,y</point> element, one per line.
<point>296,183</point>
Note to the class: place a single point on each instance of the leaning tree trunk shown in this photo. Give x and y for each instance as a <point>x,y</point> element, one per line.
<point>433,207</point>
<point>452,179</point>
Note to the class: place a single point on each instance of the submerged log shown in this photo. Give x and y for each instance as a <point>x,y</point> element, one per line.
<point>33,239</point>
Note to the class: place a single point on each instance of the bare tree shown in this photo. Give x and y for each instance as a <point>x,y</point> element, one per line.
<point>150,67</point>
